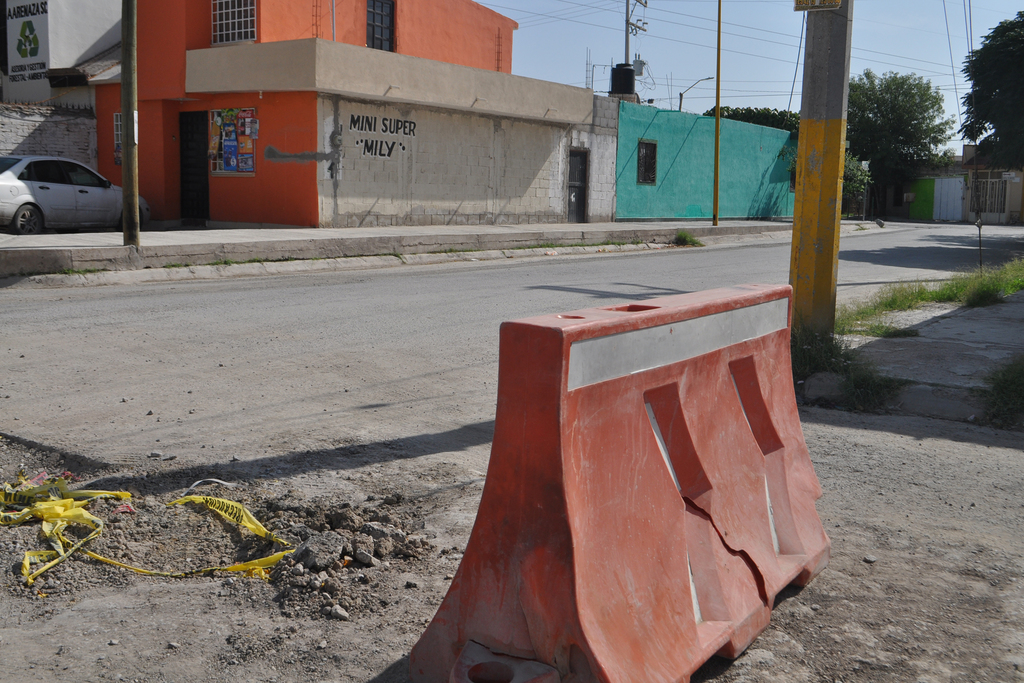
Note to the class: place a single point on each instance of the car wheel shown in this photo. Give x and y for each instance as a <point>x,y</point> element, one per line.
<point>28,220</point>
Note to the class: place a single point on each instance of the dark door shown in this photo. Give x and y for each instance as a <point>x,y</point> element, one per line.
<point>195,168</point>
<point>577,187</point>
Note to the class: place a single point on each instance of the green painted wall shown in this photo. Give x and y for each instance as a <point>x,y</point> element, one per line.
<point>753,179</point>
<point>923,206</point>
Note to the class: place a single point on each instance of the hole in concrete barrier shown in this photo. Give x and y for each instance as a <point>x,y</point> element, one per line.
<point>632,308</point>
<point>571,317</point>
<point>491,672</point>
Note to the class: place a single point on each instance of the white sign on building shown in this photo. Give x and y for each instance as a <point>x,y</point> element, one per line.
<point>28,51</point>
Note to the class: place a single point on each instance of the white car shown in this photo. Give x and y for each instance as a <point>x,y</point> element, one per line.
<point>50,192</point>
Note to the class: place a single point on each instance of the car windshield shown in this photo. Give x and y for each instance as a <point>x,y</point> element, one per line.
<point>7,162</point>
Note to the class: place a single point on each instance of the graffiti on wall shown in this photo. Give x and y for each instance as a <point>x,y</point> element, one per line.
<point>381,148</point>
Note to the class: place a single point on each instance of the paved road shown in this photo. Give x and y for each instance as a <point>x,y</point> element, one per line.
<point>253,368</point>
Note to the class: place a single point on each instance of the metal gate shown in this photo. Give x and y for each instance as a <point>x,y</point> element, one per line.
<point>949,199</point>
<point>577,187</point>
<point>195,167</point>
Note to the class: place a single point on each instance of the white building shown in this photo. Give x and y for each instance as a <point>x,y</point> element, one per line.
<point>56,47</point>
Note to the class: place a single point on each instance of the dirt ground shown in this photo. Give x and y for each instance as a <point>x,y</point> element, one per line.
<point>924,582</point>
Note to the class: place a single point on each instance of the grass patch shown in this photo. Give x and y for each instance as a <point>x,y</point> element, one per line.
<point>685,239</point>
<point>80,271</point>
<point>862,387</point>
<point>1004,395</point>
<point>973,288</point>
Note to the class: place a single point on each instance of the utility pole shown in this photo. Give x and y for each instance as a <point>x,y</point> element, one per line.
<point>819,170</point>
<point>631,26</point>
<point>129,124</point>
<point>718,114</point>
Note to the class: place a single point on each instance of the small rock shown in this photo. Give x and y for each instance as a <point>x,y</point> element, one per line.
<point>168,457</point>
<point>448,577</point>
<point>870,559</point>
<point>815,607</point>
<point>123,400</point>
<point>824,386</point>
<point>149,413</point>
<point>114,642</point>
<point>156,454</point>
<point>298,570</point>
<point>411,584</point>
<point>173,646</point>
<point>322,645</point>
<point>337,612</point>
<point>366,558</point>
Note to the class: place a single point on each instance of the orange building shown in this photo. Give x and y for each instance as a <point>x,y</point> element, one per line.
<point>230,126</point>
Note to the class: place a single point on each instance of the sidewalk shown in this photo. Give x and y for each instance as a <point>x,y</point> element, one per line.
<point>947,364</point>
<point>53,253</point>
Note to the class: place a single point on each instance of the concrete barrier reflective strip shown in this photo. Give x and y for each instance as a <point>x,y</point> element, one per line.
<point>603,358</point>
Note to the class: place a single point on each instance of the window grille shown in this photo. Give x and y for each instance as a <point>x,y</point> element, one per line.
<point>380,25</point>
<point>647,163</point>
<point>988,196</point>
<point>117,129</point>
<point>234,21</point>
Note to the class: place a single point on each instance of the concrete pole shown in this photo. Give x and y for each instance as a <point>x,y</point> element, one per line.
<point>718,114</point>
<point>819,170</point>
<point>129,124</point>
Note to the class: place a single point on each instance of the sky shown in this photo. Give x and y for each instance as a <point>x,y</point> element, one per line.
<point>762,58</point>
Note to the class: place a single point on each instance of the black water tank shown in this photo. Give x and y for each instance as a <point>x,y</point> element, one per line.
<point>623,79</point>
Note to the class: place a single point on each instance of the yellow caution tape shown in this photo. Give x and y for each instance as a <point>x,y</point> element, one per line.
<point>234,512</point>
<point>57,508</point>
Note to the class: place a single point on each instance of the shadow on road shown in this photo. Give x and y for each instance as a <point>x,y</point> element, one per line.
<point>302,462</point>
<point>919,428</point>
<point>398,672</point>
<point>947,252</point>
<point>628,291</point>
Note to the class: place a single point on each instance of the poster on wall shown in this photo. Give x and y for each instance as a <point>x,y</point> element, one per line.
<point>230,155</point>
<point>232,135</point>
<point>28,51</point>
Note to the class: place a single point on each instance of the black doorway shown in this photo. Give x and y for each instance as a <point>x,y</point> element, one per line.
<point>577,187</point>
<point>195,174</point>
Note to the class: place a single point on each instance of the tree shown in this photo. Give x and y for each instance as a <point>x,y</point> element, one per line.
<point>896,122</point>
<point>994,106</point>
<point>855,177</point>
<point>761,116</point>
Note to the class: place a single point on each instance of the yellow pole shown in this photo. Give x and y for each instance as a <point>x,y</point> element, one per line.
<point>718,113</point>
<point>821,152</point>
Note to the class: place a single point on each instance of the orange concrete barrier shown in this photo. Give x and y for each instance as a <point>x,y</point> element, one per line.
<point>649,493</point>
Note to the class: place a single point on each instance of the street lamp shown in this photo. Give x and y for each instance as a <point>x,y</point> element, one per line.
<point>691,88</point>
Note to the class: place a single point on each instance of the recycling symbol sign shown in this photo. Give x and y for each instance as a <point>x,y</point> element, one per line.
<point>28,41</point>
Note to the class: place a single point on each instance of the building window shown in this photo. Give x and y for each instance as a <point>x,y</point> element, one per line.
<point>647,163</point>
<point>380,25</point>
<point>233,135</point>
<point>988,196</point>
<point>234,21</point>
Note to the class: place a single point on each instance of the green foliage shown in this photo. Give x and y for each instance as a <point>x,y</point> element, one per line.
<point>761,116</point>
<point>862,386</point>
<point>994,107</point>
<point>814,352</point>
<point>685,239</point>
<point>855,178</point>
<point>896,122</point>
<point>1004,396</point>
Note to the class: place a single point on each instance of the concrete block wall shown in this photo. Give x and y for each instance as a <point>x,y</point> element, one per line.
<point>48,131</point>
<point>600,140</point>
<point>413,165</point>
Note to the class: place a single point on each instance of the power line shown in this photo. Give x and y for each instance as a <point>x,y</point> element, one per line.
<point>949,41</point>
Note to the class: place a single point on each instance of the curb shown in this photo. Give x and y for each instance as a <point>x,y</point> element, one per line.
<point>149,274</point>
<point>48,260</point>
